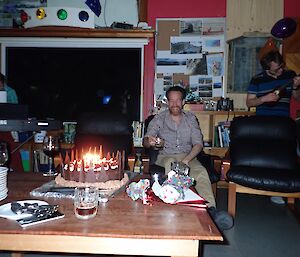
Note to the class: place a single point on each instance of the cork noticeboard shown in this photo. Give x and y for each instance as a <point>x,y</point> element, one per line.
<point>190,53</point>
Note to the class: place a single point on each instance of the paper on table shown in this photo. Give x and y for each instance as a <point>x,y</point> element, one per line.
<point>192,199</point>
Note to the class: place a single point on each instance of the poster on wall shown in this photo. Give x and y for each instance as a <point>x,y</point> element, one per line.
<point>190,53</point>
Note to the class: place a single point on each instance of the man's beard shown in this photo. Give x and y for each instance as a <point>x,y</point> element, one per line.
<point>175,110</point>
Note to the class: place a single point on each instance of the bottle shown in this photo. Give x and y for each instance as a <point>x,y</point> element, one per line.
<point>138,164</point>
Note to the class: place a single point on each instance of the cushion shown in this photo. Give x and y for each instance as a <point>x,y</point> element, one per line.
<point>280,180</point>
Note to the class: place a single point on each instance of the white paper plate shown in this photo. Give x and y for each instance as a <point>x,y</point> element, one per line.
<point>3,194</point>
<point>3,190</point>
<point>3,169</point>
<point>6,212</point>
<point>3,185</point>
<point>3,197</point>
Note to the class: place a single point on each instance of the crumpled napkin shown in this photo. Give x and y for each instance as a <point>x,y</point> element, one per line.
<point>136,190</point>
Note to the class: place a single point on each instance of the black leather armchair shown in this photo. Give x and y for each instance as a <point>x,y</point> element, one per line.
<point>263,156</point>
<point>111,130</point>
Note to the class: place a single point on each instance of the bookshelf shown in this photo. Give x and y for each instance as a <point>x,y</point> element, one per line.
<point>209,120</point>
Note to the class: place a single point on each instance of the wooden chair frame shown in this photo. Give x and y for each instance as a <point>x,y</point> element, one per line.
<point>234,188</point>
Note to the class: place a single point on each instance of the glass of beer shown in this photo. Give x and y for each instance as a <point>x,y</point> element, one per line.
<point>86,202</point>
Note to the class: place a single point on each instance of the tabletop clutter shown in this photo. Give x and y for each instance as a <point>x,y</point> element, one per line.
<point>175,189</point>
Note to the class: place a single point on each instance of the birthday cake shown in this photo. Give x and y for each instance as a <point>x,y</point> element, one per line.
<point>93,170</point>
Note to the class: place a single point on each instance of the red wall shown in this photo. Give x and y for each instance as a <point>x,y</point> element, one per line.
<point>186,9</point>
<point>292,9</point>
<point>172,9</point>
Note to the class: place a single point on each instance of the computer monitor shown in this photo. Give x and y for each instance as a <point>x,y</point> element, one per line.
<point>3,97</point>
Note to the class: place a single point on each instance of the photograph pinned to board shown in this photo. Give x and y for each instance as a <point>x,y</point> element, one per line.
<point>213,44</point>
<point>167,63</point>
<point>191,27</point>
<point>202,26</point>
<point>204,86</point>
<point>213,26</point>
<point>215,64</point>
<point>217,85</point>
<point>197,66</point>
<point>191,47</point>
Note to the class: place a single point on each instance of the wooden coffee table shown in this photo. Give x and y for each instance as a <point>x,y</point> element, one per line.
<point>122,226</point>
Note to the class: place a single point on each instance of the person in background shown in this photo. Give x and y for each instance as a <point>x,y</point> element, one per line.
<point>271,91</point>
<point>262,92</point>
<point>11,93</point>
<point>182,140</point>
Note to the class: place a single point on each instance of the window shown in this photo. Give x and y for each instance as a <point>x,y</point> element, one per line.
<point>243,62</point>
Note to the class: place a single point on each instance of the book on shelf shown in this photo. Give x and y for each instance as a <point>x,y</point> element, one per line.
<point>138,133</point>
<point>222,134</point>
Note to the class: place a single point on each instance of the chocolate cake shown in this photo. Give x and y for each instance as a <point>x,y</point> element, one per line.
<point>94,170</point>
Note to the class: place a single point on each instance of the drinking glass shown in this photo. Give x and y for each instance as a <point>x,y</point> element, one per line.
<point>180,168</point>
<point>86,202</point>
<point>51,149</point>
<point>3,153</point>
<point>159,143</point>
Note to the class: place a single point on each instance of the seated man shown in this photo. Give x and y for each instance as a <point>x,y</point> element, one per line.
<point>182,141</point>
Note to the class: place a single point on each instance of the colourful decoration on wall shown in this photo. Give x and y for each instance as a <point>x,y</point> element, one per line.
<point>94,5</point>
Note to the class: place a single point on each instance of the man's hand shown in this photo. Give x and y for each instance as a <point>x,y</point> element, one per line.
<point>270,97</point>
<point>296,81</point>
<point>149,141</point>
<point>193,153</point>
<point>296,87</point>
<point>186,162</point>
<point>253,101</point>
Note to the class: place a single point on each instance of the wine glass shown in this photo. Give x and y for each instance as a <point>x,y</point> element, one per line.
<point>51,148</point>
<point>159,143</point>
<point>3,153</point>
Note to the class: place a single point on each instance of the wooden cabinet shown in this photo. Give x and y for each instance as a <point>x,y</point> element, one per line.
<point>208,120</point>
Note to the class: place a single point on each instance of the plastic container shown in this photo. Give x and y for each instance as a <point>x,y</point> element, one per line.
<point>39,137</point>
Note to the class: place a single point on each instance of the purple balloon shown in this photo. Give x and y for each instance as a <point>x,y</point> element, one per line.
<point>284,28</point>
